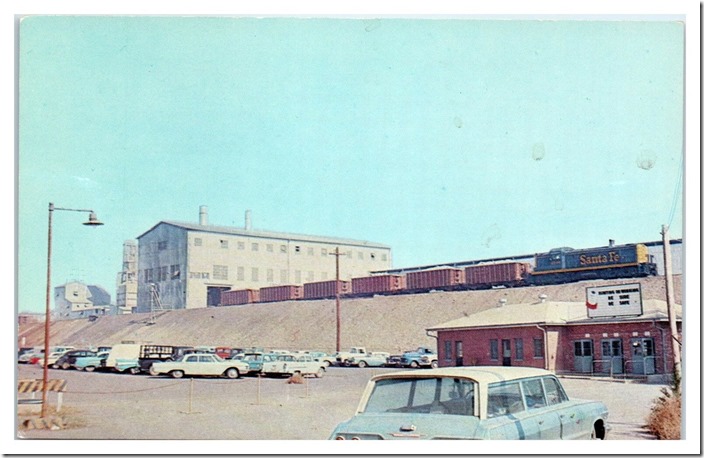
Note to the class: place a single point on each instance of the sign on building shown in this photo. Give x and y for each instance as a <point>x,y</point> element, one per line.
<point>614,300</point>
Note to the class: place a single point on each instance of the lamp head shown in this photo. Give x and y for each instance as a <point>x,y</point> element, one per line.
<point>92,220</point>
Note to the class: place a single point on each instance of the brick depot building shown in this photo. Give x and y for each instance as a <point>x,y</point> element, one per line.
<point>561,337</point>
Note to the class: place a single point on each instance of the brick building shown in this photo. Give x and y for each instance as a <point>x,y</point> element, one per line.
<point>561,337</point>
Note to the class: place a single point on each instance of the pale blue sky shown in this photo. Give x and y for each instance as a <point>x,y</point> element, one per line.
<point>446,139</point>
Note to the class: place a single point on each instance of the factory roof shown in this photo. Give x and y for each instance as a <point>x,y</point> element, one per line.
<point>227,230</point>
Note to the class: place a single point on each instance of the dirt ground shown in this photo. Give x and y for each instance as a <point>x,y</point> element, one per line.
<point>110,406</point>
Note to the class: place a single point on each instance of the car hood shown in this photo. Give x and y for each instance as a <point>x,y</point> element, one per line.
<point>408,426</point>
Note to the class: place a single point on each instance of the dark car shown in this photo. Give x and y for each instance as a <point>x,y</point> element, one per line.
<point>68,359</point>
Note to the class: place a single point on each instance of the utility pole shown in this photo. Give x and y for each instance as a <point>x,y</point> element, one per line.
<point>669,292</point>
<point>337,255</point>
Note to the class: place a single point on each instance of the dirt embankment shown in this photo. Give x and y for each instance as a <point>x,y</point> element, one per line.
<point>382,323</point>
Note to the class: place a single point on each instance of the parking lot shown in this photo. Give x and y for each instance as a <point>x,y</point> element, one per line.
<point>102,405</point>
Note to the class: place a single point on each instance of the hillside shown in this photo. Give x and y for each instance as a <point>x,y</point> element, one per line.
<point>382,323</point>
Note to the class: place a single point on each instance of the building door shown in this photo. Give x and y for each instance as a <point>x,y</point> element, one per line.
<point>612,356</point>
<point>214,295</point>
<point>643,349</point>
<point>506,351</point>
<point>458,353</point>
<point>583,355</point>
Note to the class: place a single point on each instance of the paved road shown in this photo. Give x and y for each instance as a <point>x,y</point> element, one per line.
<point>119,406</point>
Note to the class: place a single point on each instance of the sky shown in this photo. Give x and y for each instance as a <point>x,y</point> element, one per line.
<point>448,139</point>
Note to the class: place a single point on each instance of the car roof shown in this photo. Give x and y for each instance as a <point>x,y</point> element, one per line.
<point>481,374</point>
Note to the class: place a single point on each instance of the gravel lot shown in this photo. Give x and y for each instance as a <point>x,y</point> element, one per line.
<point>119,406</point>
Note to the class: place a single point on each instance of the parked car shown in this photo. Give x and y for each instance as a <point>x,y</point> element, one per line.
<point>420,357</point>
<point>256,360</point>
<point>201,364</point>
<point>373,359</point>
<point>480,402</point>
<point>290,364</point>
<point>51,360</point>
<point>91,363</point>
<point>67,360</point>
<point>327,360</point>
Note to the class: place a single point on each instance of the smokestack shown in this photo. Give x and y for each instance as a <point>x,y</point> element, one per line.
<point>248,220</point>
<point>203,215</point>
<point>612,242</point>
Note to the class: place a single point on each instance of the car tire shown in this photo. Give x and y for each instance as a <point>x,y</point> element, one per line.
<point>362,364</point>
<point>232,373</point>
<point>65,366</point>
<point>414,364</point>
<point>153,372</point>
<point>134,370</point>
<point>326,363</point>
<point>320,373</point>
<point>434,365</point>
<point>89,368</point>
<point>177,374</point>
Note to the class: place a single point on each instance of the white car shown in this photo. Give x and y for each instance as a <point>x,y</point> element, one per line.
<point>289,365</point>
<point>206,364</point>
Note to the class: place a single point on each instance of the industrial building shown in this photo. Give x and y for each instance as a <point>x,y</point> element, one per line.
<point>185,265</point>
<point>77,300</point>
<point>126,299</point>
<point>618,335</point>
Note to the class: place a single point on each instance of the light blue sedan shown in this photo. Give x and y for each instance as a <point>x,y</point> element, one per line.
<point>481,402</point>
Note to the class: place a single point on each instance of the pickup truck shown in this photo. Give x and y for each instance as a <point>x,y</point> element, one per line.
<point>342,357</point>
<point>290,364</point>
<point>420,357</point>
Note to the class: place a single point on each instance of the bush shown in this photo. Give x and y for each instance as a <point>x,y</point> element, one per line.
<point>665,419</point>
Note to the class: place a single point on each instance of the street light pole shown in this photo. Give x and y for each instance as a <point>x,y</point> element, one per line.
<point>92,221</point>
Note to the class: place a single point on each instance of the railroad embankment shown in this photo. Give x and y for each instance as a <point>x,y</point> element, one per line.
<point>381,323</point>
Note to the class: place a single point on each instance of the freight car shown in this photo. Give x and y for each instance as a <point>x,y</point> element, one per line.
<point>280,293</point>
<point>565,265</point>
<point>441,279</point>
<point>326,289</point>
<point>505,274</point>
<point>239,297</point>
<point>378,284</point>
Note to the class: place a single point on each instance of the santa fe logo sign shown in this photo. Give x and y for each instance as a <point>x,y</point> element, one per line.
<point>614,300</point>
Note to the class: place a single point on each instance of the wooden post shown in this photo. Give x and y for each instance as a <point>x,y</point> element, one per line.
<point>669,291</point>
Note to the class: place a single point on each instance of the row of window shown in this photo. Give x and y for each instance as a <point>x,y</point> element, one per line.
<point>298,249</point>
<point>506,352</point>
<point>220,272</point>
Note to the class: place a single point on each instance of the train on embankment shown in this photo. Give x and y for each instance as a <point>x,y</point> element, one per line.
<point>557,266</point>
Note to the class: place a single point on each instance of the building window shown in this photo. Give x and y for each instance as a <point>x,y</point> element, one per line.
<point>283,276</point>
<point>240,245</point>
<point>360,255</point>
<point>162,245</point>
<point>494,349</point>
<point>270,275</point>
<point>198,241</point>
<point>223,243</point>
<point>323,252</point>
<point>255,247</point>
<point>323,276</point>
<point>519,349</point>
<point>297,249</point>
<point>240,273</point>
<point>310,251</point>
<point>283,248</point>
<point>270,247</point>
<point>311,276</point>
<point>175,272</point>
<point>255,274</point>
<point>448,350</point>
<point>538,351</point>
<point>383,257</point>
<point>373,256</point>
<point>219,272</point>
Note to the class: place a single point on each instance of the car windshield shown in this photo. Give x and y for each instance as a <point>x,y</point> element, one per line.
<point>438,395</point>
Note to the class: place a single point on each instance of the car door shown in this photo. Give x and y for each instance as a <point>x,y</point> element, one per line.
<point>190,365</point>
<point>546,419</point>
<point>507,417</point>
<point>572,418</point>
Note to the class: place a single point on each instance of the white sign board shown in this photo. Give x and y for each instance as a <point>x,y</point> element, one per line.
<point>614,300</point>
